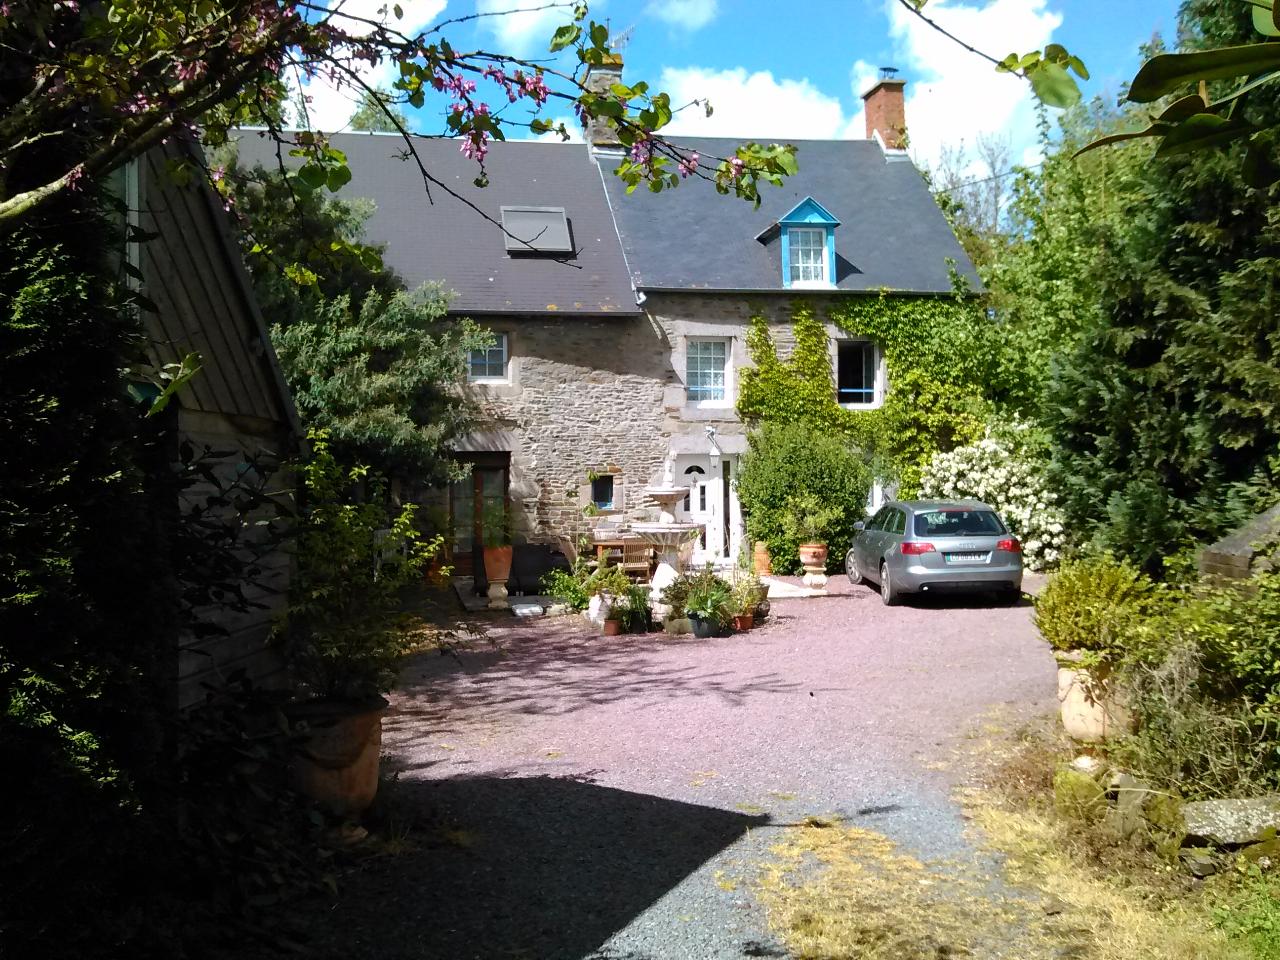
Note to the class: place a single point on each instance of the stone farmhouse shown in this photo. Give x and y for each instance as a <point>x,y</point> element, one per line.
<point>620,336</point>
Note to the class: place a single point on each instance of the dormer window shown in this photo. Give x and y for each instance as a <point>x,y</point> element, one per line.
<point>808,255</point>
<point>808,245</point>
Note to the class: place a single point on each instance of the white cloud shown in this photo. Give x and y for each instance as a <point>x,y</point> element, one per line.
<point>332,101</point>
<point>953,95</point>
<point>520,27</point>
<point>687,14</point>
<point>751,105</point>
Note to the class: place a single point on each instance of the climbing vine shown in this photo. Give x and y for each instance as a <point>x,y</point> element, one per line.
<point>943,371</point>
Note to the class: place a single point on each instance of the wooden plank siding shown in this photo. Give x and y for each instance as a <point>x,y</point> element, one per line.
<point>237,402</point>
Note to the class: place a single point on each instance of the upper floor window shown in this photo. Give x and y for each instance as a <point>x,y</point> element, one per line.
<point>489,365</point>
<point>808,248</point>
<point>858,374</point>
<point>808,255</point>
<point>707,371</point>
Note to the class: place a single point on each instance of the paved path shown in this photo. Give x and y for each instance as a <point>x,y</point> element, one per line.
<point>576,796</point>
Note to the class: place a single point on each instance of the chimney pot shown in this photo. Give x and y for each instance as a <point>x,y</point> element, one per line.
<point>886,110</point>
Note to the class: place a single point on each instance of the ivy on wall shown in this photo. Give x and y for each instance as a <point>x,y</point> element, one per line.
<point>943,366</point>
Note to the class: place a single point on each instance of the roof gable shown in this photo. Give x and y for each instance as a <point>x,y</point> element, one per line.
<point>808,210</point>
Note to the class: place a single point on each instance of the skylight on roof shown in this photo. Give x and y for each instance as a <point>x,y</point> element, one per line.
<point>536,230</point>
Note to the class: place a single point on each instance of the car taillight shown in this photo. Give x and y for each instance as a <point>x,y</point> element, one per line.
<point>913,549</point>
<point>1010,544</point>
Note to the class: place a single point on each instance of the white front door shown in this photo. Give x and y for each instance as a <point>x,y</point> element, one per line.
<point>713,502</point>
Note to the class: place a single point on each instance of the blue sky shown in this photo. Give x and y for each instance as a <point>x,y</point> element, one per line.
<point>790,70</point>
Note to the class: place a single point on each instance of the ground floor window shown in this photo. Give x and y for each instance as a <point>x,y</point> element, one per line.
<point>857,373</point>
<point>602,492</point>
<point>489,364</point>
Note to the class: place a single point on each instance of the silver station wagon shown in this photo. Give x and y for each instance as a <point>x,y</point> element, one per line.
<point>935,546</point>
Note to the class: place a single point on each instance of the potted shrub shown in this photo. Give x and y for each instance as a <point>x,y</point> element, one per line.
<point>808,523</point>
<point>675,596</point>
<point>633,610</point>
<point>495,529</point>
<point>709,605</point>
<point>605,588</point>
<point>1087,613</point>
<point>343,632</point>
<point>746,595</point>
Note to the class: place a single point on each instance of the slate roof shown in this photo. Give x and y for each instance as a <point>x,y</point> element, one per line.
<point>449,242</point>
<point>892,234</point>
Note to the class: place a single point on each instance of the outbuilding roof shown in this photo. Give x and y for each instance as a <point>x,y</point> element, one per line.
<point>440,237</point>
<point>892,234</point>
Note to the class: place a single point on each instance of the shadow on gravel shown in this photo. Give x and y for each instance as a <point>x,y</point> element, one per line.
<point>539,868</point>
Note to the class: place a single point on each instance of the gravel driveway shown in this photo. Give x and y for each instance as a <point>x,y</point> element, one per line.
<point>575,796</point>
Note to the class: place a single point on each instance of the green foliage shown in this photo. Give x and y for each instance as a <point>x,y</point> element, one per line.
<point>378,113</point>
<point>569,586</point>
<point>344,630</point>
<point>1091,605</point>
<point>608,579</point>
<point>710,599</point>
<point>633,611</point>
<point>940,360</point>
<point>806,520</point>
<point>1163,407</point>
<point>1251,914</point>
<point>787,460</point>
<point>746,594</point>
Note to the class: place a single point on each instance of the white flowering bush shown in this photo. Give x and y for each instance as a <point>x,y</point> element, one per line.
<point>1012,481</point>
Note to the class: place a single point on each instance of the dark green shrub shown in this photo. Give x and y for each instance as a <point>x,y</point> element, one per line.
<point>633,611</point>
<point>569,586</point>
<point>794,459</point>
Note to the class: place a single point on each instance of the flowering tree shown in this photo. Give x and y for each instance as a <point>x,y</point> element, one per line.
<point>103,82</point>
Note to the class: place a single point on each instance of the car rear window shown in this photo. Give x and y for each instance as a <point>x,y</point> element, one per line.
<point>957,523</point>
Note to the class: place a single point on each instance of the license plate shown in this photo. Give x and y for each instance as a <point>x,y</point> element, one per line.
<point>967,557</point>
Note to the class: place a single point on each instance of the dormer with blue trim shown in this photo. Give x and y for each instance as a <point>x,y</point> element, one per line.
<point>808,246</point>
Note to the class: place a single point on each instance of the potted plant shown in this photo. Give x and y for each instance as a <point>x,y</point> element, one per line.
<point>807,523</point>
<point>709,605</point>
<point>342,632</point>
<point>605,587</point>
<point>675,596</point>
<point>633,611</point>
<point>761,560</point>
<point>1087,613</point>
<point>496,534</point>
<point>745,597</point>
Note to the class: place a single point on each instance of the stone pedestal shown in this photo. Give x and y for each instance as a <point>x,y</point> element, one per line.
<point>498,596</point>
<point>815,578</point>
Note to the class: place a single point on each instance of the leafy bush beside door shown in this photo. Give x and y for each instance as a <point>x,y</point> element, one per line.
<point>789,460</point>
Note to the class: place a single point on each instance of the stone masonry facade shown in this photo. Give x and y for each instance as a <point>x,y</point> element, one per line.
<point>587,397</point>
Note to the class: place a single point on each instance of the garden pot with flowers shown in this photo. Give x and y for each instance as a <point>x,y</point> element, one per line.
<point>343,634</point>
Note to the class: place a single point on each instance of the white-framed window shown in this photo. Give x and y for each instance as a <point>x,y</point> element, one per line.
<point>489,365</point>
<point>807,253</point>
<point>707,371</point>
<point>858,378</point>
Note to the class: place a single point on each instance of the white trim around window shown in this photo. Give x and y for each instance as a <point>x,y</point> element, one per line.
<point>859,374</point>
<point>492,364</point>
<point>708,371</point>
<point>807,253</point>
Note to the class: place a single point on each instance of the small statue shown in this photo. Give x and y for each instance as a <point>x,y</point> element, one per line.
<point>669,471</point>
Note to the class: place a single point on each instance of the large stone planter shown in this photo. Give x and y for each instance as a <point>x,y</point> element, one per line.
<point>497,568</point>
<point>336,759</point>
<point>813,557</point>
<point>1092,706</point>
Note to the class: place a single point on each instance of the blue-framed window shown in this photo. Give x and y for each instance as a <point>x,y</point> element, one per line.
<point>808,245</point>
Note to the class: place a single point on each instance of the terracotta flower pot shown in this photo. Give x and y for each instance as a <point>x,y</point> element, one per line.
<point>813,554</point>
<point>743,621</point>
<point>497,564</point>
<point>612,628</point>
<point>761,559</point>
<point>336,763</point>
<point>1092,707</point>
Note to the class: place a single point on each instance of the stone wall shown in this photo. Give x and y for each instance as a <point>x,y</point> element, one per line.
<point>608,396</point>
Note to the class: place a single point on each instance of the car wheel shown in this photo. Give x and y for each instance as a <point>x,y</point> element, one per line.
<point>888,591</point>
<point>851,568</point>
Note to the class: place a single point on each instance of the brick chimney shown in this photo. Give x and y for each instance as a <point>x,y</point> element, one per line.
<point>600,77</point>
<point>886,110</point>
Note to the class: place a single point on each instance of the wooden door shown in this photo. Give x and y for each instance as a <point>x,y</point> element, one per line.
<point>475,501</point>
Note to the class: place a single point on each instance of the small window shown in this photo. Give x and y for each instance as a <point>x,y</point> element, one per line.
<point>602,492</point>
<point>856,369</point>
<point>536,230</point>
<point>898,522</point>
<point>489,364</point>
<point>707,371</point>
<point>808,254</point>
